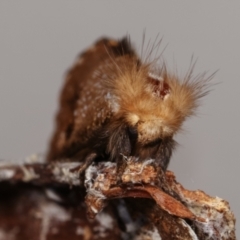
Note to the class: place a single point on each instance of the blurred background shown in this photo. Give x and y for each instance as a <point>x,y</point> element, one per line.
<point>39,41</point>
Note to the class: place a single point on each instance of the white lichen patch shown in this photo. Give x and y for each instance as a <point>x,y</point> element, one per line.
<point>79,230</point>
<point>188,228</point>
<point>63,172</point>
<point>96,193</point>
<point>148,235</point>
<point>139,172</point>
<point>5,163</point>
<point>140,166</point>
<point>90,175</point>
<point>52,195</point>
<point>28,174</point>
<point>95,179</point>
<point>51,213</point>
<point>6,174</point>
<point>220,222</point>
<point>105,220</point>
<point>85,233</point>
<point>105,224</point>
<point>154,234</point>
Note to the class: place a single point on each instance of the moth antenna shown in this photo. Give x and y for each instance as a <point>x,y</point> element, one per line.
<point>154,45</point>
<point>200,83</point>
<point>113,61</point>
<point>143,42</point>
<point>163,69</point>
<point>128,39</point>
<point>157,58</point>
<point>157,47</point>
<point>145,55</point>
<point>189,73</point>
<point>148,52</point>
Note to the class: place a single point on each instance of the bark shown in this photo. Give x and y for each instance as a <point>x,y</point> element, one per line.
<point>48,201</point>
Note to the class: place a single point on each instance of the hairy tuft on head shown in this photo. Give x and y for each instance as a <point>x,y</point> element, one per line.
<point>155,102</point>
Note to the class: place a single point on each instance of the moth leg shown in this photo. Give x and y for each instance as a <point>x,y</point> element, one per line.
<point>164,153</point>
<point>87,162</point>
<point>121,165</point>
<point>123,158</point>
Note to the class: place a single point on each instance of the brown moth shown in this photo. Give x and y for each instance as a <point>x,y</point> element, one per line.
<point>115,105</point>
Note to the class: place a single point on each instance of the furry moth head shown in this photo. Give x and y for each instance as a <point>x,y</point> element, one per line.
<point>155,104</point>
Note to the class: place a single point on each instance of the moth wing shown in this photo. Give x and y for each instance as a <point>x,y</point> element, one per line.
<point>83,107</point>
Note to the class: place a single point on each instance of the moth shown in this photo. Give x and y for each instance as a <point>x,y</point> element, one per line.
<point>114,105</point>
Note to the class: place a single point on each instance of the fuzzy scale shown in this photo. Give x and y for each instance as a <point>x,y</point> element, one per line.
<point>114,105</point>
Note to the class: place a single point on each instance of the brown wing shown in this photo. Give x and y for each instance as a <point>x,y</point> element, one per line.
<point>83,108</point>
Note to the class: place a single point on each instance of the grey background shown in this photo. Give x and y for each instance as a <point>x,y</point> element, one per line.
<point>39,41</point>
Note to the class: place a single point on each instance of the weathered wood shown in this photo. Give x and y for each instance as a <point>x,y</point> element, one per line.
<point>48,201</point>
